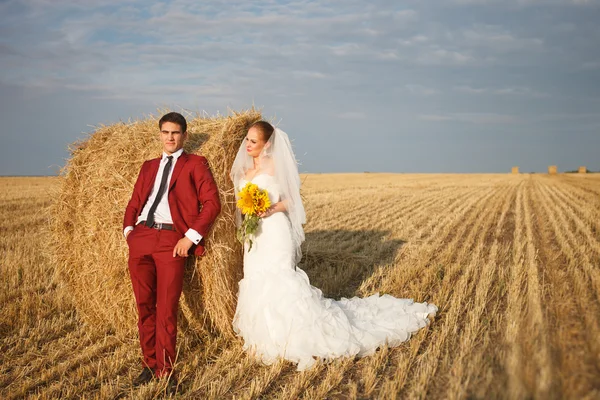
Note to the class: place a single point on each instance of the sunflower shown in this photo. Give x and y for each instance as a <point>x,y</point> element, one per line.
<point>252,188</point>
<point>261,202</point>
<point>251,201</point>
<point>245,202</point>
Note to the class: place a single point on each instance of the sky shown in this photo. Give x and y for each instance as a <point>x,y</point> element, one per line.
<point>456,86</point>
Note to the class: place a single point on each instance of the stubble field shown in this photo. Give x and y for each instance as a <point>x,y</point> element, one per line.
<point>512,261</point>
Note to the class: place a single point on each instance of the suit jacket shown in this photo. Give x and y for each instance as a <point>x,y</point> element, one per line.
<point>191,188</point>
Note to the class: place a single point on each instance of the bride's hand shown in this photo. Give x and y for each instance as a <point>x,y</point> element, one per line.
<point>270,211</point>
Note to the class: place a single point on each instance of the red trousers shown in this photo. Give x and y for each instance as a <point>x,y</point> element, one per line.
<point>157,280</point>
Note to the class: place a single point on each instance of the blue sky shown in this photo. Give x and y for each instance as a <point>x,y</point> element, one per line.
<point>413,86</point>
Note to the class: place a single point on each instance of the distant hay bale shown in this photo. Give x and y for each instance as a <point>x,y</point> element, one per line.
<point>515,170</point>
<point>88,245</point>
<point>552,169</point>
<point>582,170</point>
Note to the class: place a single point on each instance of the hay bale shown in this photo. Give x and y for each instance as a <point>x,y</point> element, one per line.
<point>515,170</point>
<point>89,249</point>
<point>582,170</point>
<point>552,169</point>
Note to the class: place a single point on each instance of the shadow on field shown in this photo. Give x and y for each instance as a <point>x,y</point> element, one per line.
<point>338,261</point>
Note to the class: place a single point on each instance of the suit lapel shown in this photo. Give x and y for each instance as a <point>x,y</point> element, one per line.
<point>178,167</point>
<point>155,164</point>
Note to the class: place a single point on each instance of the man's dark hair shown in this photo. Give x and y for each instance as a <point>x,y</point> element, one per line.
<point>175,118</point>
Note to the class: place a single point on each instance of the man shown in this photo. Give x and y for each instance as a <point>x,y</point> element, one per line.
<point>162,226</point>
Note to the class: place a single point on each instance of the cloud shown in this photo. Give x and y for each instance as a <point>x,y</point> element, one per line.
<point>414,40</point>
<point>421,90</point>
<point>497,39</point>
<point>524,3</point>
<point>569,117</point>
<point>591,65</point>
<point>585,2</point>
<point>445,57</point>
<point>352,115</point>
<point>309,74</point>
<point>473,118</point>
<point>108,44</point>
<point>506,91</point>
<point>346,49</point>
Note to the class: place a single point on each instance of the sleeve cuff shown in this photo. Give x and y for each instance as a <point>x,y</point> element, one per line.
<point>127,229</point>
<point>193,236</point>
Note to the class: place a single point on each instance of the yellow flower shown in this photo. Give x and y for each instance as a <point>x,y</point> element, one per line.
<point>262,202</point>
<point>251,201</point>
<point>245,202</point>
<point>252,188</point>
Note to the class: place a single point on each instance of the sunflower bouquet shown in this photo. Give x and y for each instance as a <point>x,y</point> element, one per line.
<point>252,201</point>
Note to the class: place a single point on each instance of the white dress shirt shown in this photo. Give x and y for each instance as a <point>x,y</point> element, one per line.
<point>163,211</point>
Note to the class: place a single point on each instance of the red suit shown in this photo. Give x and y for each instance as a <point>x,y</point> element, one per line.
<point>157,276</point>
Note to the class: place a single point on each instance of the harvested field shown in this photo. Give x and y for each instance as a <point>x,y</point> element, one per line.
<point>513,262</point>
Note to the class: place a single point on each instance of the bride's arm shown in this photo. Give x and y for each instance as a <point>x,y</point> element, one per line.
<point>280,206</point>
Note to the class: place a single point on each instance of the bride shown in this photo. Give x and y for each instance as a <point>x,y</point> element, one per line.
<point>279,314</point>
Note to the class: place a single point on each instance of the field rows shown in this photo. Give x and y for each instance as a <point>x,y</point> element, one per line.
<point>512,261</point>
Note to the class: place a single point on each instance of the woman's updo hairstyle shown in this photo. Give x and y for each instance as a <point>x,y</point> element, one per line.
<point>265,128</point>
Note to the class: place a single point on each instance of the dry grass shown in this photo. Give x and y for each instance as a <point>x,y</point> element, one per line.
<point>511,260</point>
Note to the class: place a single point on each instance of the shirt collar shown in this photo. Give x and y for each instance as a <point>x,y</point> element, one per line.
<point>175,155</point>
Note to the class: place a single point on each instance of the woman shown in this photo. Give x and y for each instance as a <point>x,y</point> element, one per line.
<point>279,314</point>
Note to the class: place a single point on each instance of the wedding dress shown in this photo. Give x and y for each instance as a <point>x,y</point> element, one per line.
<point>280,315</point>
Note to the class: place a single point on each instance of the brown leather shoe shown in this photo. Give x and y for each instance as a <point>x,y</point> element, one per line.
<point>146,376</point>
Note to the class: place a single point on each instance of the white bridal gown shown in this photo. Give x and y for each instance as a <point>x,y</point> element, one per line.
<point>280,315</point>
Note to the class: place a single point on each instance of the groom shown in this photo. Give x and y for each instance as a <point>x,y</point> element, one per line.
<point>162,226</point>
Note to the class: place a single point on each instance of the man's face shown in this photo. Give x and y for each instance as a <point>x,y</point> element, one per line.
<point>171,137</point>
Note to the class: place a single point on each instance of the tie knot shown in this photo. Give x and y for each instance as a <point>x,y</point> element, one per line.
<point>169,158</point>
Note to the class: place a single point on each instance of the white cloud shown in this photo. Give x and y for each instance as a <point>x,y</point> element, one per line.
<point>591,65</point>
<point>441,56</point>
<point>309,74</point>
<point>388,55</point>
<point>515,91</point>
<point>471,90</point>
<point>421,90</point>
<point>524,3</point>
<point>352,115</point>
<point>585,2</point>
<point>346,49</point>
<point>497,39</point>
<point>414,40</point>
<point>405,16</point>
<point>571,117</point>
<point>474,118</point>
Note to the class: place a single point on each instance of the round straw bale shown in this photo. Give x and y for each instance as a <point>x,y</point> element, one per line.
<point>88,245</point>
